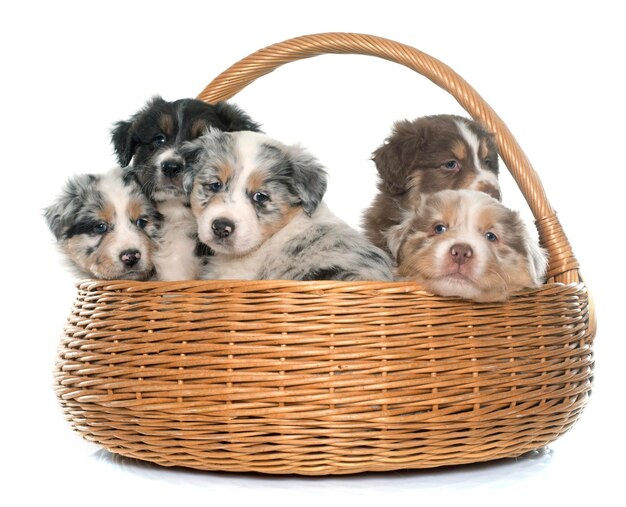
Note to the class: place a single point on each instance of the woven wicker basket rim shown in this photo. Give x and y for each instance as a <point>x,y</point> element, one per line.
<point>303,286</point>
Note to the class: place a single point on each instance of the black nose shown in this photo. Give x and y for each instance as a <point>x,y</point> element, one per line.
<point>461,253</point>
<point>222,227</point>
<point>130,257</point>
<point>171,168</point>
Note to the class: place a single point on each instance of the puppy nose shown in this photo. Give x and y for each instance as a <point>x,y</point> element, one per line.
<point>222,227</point>
<point>461,253</point>
<point>130,257</point>
<point>171,168</point>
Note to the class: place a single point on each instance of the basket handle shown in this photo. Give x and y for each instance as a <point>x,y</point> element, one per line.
<point>563,267</point>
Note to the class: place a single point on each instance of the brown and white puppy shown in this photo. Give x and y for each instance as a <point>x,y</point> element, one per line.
<point>152,138</point>
<point>105,227</point>
<point>465,243</point>
<point>424,156</point>
<point>259,207</point>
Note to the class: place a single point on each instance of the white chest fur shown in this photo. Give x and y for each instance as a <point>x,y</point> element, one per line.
<point>244,268</point>
<point>175,258</point>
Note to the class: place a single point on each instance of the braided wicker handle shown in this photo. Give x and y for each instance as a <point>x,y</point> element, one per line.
<point>563,265</point>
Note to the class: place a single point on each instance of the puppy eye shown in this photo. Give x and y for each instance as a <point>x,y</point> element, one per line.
<point>100,228</point>
<point>491,236</point>
<point>141,223</point>
<point>451,165</point>
<point>489,163</point>
<point>159,140</point>
<point>216,186</point>
<point>440,229</point>
<point>260,198</point>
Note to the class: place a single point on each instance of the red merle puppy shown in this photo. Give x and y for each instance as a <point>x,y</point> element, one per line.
<point>425,156</point>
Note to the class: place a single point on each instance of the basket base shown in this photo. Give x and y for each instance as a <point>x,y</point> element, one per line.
<point>319,378</point>
<point>231,446</point>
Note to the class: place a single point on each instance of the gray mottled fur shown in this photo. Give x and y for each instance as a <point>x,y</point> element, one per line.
<point>314,245</point>
<point>324,248</point>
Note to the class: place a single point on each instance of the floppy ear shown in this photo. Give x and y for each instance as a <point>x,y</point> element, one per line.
<point>537,261</point>
<point>53,215</point>
<point>395,158</point>
<point>191,152</point>
<point>235,119</point>
<point>395,237</point>
<point>122,136</point>
<point>310,179</point>
<point>124,143</point>
<point>61,213</point>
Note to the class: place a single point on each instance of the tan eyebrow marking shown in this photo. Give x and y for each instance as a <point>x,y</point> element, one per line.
<point>166,124</point>
<point>459,150</point>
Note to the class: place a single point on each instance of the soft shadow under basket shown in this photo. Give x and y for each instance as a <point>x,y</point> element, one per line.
<point>331,377</point>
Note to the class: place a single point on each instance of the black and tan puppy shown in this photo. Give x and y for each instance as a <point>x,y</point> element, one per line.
<point>151,139</point>
<point>424,156</point>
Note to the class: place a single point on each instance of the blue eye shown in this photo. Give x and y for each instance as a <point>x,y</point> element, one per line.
<point>101,228</point>
<point>260,198</point>
<point>440,229</point>
<point>216,186</point>
<point>159,140</point>
<point>141,223</point>
<point>451,165</point>
<point>491,236</point>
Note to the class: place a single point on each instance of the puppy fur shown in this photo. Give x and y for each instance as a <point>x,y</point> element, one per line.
<point>105,227</point>
<point>465,243</point>
<point>259,207</point>
<point>424,156</point>
<point>152,139</point>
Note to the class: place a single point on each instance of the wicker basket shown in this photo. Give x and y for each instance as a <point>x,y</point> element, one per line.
<point>331,377</point>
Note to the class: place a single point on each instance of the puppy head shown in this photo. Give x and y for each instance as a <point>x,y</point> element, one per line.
<point>105,227</point>
<point>435,153</point>
<point>153,136</point>
<point>244,187</point>
<point>465,243</point>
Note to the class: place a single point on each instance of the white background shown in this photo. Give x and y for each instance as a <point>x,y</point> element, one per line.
<point>552,70</point>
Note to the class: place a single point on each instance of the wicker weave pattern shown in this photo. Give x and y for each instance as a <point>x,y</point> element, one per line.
<point>307,378</point>
<point>331,377</point>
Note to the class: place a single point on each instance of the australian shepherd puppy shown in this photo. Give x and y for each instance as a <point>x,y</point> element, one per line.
<point>466,243</point>
<point>259,207</point>
<point>424,156</point>
<point>105,227</point>
<point>152,139</point>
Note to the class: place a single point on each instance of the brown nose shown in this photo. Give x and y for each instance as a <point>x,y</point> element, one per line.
<point>461,253</point>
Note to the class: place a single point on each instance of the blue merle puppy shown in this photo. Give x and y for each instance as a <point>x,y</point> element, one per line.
<point>258,204</point>
<point>105,227</point>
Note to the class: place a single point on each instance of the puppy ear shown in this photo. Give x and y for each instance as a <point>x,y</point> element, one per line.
<point>235,119</point>
<point>129,175</point>
<point>123,137</point>
<point>63,211</point>
<point>191,151</point>
<point>395,158</point>
<point>537,261</point>
<point>395,237</point>
<point>124,143</point>
<point>309,176</point>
